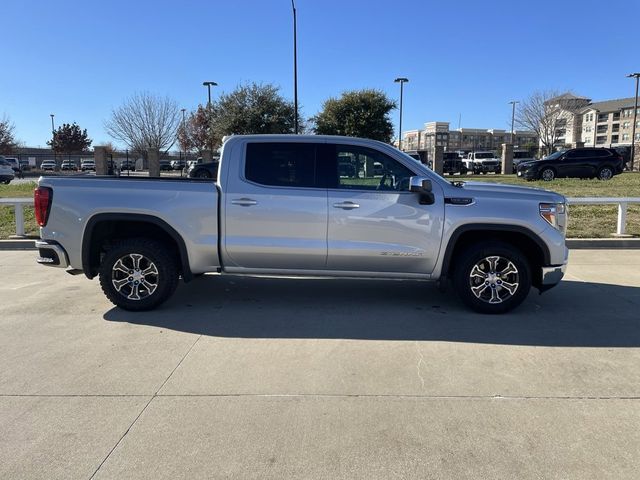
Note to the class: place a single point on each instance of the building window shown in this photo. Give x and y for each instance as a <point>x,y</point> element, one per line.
<point>603,117</point>
<point>614,138</point>
<point>625,125</point>
<point>601,140</point>
<point>625,137</point>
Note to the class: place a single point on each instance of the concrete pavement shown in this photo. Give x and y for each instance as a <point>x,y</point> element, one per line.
<point>280,378</point>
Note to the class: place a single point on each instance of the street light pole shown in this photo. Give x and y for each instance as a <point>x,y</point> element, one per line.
<point>295,68</point>
<point>513,116</point>
<point>184,135</point>
<point>635,119</point>
<point>53,138</point>
<point>209,85</point>
<point>401,81</point>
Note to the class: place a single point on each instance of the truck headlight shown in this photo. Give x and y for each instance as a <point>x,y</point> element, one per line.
<point>555,214</point>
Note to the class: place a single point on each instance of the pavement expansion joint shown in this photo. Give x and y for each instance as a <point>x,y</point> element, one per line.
<point>145,407</point>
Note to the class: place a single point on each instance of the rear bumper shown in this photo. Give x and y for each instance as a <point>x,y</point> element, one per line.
<point>51,254</point>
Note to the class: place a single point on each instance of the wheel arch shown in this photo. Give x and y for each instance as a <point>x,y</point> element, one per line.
<point>105,227</point>
<point>534,249</point>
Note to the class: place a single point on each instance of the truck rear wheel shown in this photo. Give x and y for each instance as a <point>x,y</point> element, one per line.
<point>138,274</point>
<point>492,277</point>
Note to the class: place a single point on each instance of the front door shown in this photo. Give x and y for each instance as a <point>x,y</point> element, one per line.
<point>375,223</point>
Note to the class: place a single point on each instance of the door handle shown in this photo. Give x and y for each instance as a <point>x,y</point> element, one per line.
<point>346,205</point>
<point>244,202</point>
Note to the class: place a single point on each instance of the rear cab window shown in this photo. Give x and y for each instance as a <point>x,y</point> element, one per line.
<point>282,164</point>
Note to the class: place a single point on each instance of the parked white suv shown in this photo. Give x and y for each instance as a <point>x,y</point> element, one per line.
<point>483,162</point>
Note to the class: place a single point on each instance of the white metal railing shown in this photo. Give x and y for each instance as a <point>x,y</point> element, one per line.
<point>622,203</point>
<point>18,204</point>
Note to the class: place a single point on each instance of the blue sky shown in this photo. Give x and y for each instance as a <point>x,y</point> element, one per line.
<point>79,59</point>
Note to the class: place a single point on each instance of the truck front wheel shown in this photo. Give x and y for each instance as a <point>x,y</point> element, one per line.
<point>138,274</point>
<point>492,277</point>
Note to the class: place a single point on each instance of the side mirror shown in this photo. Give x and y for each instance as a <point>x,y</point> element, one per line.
<point>422,186</point>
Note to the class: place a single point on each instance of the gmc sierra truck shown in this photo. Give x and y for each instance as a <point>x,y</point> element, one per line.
<point>281,206</point>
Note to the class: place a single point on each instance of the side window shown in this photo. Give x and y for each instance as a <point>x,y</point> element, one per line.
<point>281,164</point>
<point>363,168</point>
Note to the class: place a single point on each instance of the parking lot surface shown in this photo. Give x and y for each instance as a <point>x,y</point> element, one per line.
<point>288,378</point>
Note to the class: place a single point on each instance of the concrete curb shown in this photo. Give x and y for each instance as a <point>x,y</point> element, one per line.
<point>18,244</point>
<point>572,243</point>
<point>595,243</point>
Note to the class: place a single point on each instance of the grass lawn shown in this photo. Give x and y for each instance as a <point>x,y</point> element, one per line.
<point>588,221</point>
<point>585,221</point>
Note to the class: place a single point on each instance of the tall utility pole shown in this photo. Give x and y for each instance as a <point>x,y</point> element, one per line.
<point>184,138</point>
<point>295,68</point>
<point>635,119</point>
<point>401,81</point>
<point>209,85</point>
<point>53,137</point>
<point>513,117</point>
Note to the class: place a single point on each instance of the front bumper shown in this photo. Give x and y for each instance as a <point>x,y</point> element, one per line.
<point>551,276</point>
<point>529,174</point>
<point>51,254</point>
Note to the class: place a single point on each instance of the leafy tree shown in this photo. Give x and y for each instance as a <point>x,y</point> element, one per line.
<point>69,138</point>
<point>253,108</point>
<point>145,121</point>
<point>358,113</point>
<point>196,134</point>
<point>249,109</point>
<point>7,137</point>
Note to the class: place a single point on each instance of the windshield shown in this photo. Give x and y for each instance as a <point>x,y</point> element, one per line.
<point>555,155</point>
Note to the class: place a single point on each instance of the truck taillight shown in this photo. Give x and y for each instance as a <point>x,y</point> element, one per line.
<point>42,197</point>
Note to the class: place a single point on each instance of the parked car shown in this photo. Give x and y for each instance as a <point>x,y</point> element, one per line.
<point>165,165</point>
<point>87,165</point>
<point>482,162</point>
<point>452,163</point>
<point>128,164</point>
<point>24,165</point>
<point>204,170</point>
<point>48,165</point>
<point>177,164</point>
<point>520,156</point>
<point>69,165</point>
<point>280,207</point>
<point>6,172</point>
<point>602,163</point>
<point>14,162</point>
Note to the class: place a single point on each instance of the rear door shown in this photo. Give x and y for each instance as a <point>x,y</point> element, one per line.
<point>276,212</point>
<point>375,223</point>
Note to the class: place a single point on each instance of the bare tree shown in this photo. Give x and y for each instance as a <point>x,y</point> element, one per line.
<point>145,121</point>
<point>7,137</point>
<point>549,114</point>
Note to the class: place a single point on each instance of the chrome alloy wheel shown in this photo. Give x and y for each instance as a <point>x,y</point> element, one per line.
<point>494,279</point>
<point>605,174</point>
<point>134,276</point>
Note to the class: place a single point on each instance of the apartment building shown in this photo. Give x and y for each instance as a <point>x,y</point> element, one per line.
<point>609,123</point>
<point>463,139</point>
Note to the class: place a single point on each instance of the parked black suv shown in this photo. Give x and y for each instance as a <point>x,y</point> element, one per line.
<point>602,163</point>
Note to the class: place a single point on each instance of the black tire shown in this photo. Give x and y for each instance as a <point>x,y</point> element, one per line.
<point>605,173</point>
<point>122,256</point>
<point>473,258</point>
<point>202,173</point>
<point>547,174</point>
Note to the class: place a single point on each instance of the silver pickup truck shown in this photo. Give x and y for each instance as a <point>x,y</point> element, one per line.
<point>286,205</point>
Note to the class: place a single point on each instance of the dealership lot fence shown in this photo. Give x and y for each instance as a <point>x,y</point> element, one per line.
<point>622,202</point>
